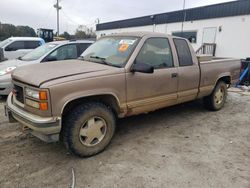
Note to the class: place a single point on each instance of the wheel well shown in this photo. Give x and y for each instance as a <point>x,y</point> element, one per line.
<point>226,79</point>
<point>109,100</point>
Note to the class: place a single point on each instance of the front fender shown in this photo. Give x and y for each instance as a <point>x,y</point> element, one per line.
<point>86,94</point>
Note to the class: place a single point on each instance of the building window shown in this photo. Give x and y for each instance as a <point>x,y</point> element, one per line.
<point>190,35</point>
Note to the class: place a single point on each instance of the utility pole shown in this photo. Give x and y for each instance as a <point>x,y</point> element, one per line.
<point>57,7</point>
<point>184,16</point>
<point>97,21</point>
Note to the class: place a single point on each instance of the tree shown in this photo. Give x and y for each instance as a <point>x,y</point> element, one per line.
<point>66,35</point>
<point>9,30</point>
<point>80,34</point>
<point>25,31</point>
<point>83,32</point>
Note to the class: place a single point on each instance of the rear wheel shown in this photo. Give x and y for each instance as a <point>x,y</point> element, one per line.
<point>88,129</point>
<point>217,99</point>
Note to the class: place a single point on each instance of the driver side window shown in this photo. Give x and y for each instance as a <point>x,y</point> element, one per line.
<point>157,53</point>
<point>64,52</point>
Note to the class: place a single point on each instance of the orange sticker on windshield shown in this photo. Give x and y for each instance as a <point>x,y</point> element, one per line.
<point>123,48</point>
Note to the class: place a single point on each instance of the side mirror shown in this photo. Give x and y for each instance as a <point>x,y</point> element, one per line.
<point>143,68</point>
<point>50,58</point>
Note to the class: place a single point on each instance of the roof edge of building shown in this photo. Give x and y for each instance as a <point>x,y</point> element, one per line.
<point>228,9</point>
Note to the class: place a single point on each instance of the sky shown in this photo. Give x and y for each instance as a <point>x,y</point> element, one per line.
<point>42,14</point>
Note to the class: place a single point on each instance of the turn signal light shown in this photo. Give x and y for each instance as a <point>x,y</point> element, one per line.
<point>43,95</point>
<point>43,105</point>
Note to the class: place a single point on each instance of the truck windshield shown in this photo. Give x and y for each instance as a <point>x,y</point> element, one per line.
<point>38,52</point>
<point>113,51</point>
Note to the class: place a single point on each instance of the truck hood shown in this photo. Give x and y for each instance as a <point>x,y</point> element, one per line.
<point>37,74</point>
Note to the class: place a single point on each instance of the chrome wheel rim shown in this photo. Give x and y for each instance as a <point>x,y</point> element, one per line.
<point>93,131</point>
<point>219,95</point>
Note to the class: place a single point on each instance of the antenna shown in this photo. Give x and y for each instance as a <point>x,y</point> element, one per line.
<point>57,7</point>
<point>184,17</point>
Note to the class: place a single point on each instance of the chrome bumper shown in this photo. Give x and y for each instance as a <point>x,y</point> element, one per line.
<point>41,127</point>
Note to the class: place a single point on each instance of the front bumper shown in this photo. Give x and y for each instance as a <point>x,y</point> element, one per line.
<point>45,128</point>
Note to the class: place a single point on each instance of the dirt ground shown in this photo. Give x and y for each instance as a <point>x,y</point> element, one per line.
<point>181,146</point>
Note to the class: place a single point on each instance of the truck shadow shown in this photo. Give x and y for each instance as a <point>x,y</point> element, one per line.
<point>159,118</point>
<point>133,126</point>
<point>3,99</point>
<point>130,127</point>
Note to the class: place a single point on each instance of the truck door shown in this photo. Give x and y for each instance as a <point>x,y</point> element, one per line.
<point>147,92</point>
<point>188,71</point>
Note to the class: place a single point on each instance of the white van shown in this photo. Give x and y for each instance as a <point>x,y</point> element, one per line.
<point>15,47</point>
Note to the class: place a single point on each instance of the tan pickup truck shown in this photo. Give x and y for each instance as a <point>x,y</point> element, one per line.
<point>78,101</point>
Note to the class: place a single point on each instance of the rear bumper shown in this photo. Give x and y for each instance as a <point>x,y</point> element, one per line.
<point>45,128</point>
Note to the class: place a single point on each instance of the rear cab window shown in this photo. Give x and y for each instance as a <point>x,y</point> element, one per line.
<point>183,52</point>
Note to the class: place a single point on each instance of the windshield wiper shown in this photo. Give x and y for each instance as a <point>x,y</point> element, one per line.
<point>98,57</point>
<point>81,58</point>
<point>103,61</point>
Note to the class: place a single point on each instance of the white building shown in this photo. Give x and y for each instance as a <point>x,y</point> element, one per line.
<point>226,24</point>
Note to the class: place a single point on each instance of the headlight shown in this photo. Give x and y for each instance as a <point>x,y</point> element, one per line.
<point>37,105</point>
<point>8,70</point>
<point>40,95</point>
<point>32,103</point>
<point>32,93</point>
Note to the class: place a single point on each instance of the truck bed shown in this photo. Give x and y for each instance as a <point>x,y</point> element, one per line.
<point>213,69</point>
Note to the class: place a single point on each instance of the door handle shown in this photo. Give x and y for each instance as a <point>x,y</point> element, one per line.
<point>174,75</point>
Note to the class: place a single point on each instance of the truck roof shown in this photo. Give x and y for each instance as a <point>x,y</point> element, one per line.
<point>25,38</point>
<point>71,41</point>
<point>140,34</point>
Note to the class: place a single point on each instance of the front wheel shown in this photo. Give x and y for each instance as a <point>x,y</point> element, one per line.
<point>217,99</point>
<point>88,129</point>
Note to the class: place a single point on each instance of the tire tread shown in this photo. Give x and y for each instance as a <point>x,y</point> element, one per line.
<point>71,120</point>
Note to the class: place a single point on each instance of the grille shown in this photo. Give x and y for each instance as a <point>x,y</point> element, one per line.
<point>19,93</point>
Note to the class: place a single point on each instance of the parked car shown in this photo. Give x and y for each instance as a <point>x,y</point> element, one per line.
<point>118,76</point>
<point>15,47</point>
<point>53,51</point>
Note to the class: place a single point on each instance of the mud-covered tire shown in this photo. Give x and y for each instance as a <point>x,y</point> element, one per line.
<point>216,100</point>
<point>76,122</point>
